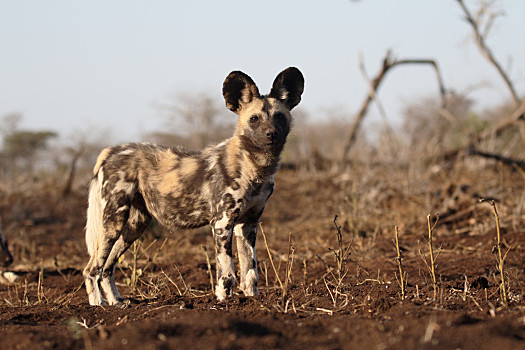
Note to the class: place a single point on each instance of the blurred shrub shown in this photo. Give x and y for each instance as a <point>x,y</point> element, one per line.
<point>193,121</point>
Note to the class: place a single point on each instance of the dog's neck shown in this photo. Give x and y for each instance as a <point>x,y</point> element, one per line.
<point>252,166</point>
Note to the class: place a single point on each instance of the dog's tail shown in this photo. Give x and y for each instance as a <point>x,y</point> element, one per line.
<point>94,223</point>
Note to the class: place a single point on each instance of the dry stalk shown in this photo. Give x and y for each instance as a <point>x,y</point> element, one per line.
<point>305,273</point>
<point>465,289</point>
<point>334,298</point>
<point>476,303</point>
<point>399,259</point>
<point>40,281</point>
<point>329,270</point>
<point>501,258</point>
<point>55,261</point>
<point>271,259</point>
<point>136,254</point>
<point>134,275</point>
<point>203,247</point>
<point>431,251</point>
<point>25,299</point>
<point>153,288</point>
<point>289,263</point>
<point>171,281</point>
<point>150,261</point>
<point>341,257</point>
<point>265,272</point>
<point>182,279</point>
<point>66,299</point>
<point>329,312</point>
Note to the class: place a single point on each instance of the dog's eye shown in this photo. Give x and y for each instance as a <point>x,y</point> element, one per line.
<point>278,116</point>
<point>254,118</point>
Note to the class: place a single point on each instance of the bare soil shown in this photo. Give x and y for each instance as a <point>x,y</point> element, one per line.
<point>172,305</point>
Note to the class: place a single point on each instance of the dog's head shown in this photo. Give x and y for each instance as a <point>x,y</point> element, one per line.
<point>264,120</point>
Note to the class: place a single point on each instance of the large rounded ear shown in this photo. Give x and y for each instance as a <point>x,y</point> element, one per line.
<point>288,87</point>
<point>238,90</point>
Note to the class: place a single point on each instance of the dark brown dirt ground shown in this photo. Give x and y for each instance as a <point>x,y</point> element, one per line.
<point>173,307</point>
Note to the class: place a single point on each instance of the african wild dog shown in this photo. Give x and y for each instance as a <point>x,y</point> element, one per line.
<point>225,185</point>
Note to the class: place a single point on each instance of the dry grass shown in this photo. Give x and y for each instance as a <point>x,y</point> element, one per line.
<point>311,270</point>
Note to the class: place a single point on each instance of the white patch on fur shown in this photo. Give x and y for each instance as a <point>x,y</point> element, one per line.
<point>123,186</point>
<point>123,208</point>
<point>250,283</point>
<point>223,221</point>
<point>220,292</point>
<point>126,152</point>
<point>108,288</point>
<point>94,293</point>
<point>283,94</point>
<point>225,262</point>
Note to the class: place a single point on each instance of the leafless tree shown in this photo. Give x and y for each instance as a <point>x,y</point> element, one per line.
<point>388,64</point>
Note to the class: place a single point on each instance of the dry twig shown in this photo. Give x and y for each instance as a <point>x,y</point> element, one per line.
<point>485,50</point>
<point>271,259</point>
<point>203,247</point>
<point>501,258</point>
<point>399,259</point>
<point>431,250</point>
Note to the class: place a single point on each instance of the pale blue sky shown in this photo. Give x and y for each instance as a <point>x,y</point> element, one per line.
<point>98,65</point>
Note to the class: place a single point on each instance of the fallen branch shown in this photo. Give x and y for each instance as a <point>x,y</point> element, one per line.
<point>505,160</point>
<point>495,130</point>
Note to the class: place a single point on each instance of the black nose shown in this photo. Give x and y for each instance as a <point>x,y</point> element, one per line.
<point>270,135</point>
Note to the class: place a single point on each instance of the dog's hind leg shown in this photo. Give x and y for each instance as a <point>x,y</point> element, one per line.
<point>92,283</point>
<point>107,280</point>
<point>138,221</point>
<point>114,201</point>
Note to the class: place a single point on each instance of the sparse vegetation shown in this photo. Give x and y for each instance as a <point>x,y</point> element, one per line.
<point>319,291</point>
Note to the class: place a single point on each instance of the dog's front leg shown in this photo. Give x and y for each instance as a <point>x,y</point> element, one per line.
<point>223,247</point>
<point>246,234</point>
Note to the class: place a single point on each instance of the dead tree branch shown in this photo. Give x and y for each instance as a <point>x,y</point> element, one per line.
<point>388,64</point>
<point>72,172</point>
<point>514,117</point>
<point>372,93</point>
<point>486,51</point>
